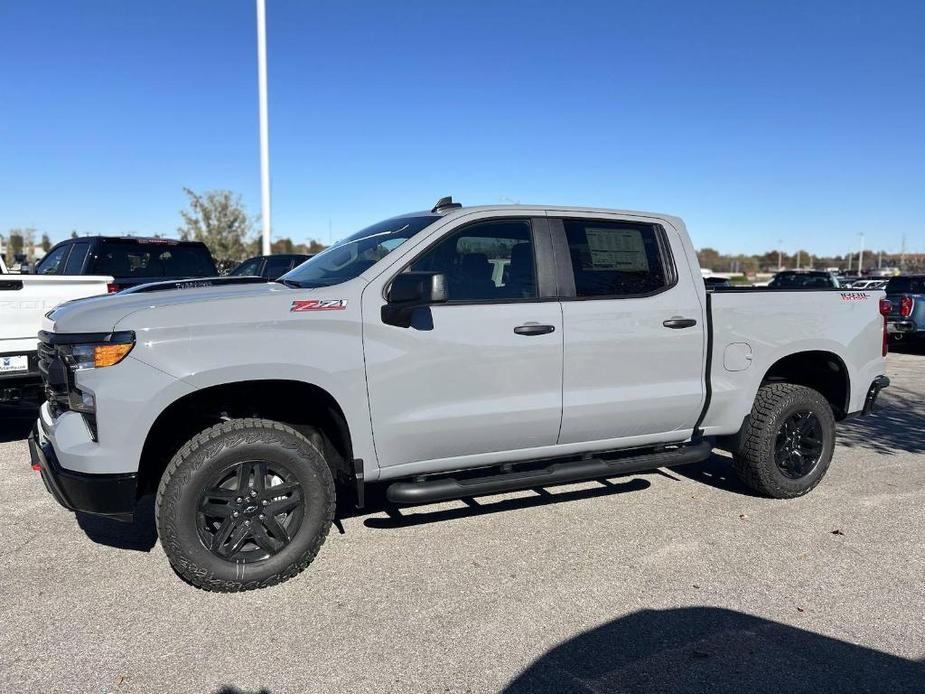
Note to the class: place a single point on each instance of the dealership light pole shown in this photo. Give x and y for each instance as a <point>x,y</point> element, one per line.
<point>264,129</point>
<point>861,255</point>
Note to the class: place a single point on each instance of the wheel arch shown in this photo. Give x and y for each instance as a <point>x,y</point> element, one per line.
<point>821,370</point>
<point>308,408</point>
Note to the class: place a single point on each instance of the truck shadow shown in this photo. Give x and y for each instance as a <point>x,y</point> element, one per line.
<point>715,472</point>
<point>705,649</point>
<point>898,425</point>
<point>141,535</point>
<point>16,422</point>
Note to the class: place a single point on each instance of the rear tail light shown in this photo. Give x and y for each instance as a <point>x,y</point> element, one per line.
<point>112,288</point>
<point>905,306</point>
<point>885,306</point>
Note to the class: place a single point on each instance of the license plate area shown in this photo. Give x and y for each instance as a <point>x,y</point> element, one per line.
<point>14,364</point>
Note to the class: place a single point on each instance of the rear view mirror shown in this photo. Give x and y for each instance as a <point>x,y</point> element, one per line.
<point>410,291</point>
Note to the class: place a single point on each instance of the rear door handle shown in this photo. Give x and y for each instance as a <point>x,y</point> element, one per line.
<point>678,323</point>
<point>534,329</point>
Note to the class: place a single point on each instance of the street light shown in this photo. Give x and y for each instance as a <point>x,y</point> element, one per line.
<point>861,255</point>
<point>264,128</point>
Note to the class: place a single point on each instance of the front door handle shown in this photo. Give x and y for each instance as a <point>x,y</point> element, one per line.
<point>678,323</point>
<point>534,329</point>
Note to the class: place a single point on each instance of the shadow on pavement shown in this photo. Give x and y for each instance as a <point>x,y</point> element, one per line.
<point>908,347</point>
<point>704,649</point>
<point>898,425</point>
<point>235,690</point>
<point>16,423</point>
<point>715,472</point>
<point>140,535</point>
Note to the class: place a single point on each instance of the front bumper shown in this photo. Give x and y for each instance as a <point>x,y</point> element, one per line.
<point>108,495</point>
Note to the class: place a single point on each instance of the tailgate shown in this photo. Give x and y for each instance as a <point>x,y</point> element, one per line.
<point>25,299</point>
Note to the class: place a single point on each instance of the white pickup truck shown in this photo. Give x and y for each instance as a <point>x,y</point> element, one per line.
<point>24,301</point>
<point>446,354</point>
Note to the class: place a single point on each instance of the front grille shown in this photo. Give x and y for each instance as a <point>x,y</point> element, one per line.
<point>56,377</point>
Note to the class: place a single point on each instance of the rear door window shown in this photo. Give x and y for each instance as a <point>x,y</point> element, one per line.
<point>75,261</point>
<point>616,259</point>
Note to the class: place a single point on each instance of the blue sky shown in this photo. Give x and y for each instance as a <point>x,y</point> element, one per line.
<point>800,121</point>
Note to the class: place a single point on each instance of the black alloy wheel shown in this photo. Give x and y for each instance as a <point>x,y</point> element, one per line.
<point>251,511</point>
<point>799,444</point>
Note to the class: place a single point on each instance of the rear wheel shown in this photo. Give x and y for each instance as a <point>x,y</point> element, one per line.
<point>786,444</point>
<point>244,504</point>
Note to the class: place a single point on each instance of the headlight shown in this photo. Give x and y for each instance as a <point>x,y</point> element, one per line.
<point>108,351</point>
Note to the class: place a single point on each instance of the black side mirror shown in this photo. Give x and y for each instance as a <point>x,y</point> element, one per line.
<point>409,291</point>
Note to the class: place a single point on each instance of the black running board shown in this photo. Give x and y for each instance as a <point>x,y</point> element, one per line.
<point>426,491</point>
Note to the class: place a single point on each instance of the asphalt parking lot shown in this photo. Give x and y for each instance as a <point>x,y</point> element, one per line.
<point>677,581</point>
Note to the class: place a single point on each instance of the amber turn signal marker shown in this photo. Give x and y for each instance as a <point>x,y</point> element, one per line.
<point>109,355</point>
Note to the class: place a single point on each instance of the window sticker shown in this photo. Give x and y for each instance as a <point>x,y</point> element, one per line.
<point>617,249</point>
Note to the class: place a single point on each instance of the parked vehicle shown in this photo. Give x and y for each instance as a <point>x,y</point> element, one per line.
<point>270,267</point>
<point>131,261</point>
<point>804,279</point>
<point>906,320</point>
<point>24,301</point>
<point>248,407</point>
<point>868,284</point>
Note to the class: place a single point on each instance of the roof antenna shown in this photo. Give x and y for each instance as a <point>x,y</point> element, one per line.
<point>445,204</point>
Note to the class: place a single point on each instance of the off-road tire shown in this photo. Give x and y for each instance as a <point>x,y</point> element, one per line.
<point>753,455</point>
<point>190,469</point>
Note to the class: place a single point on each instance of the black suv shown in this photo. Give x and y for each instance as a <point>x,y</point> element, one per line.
<point>131,261</point>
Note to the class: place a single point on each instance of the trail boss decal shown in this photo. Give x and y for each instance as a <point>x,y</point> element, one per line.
<point>318,305</point>
<point>854,296</point>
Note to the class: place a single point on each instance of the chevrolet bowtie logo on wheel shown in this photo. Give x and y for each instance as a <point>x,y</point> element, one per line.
<point>318,305</point>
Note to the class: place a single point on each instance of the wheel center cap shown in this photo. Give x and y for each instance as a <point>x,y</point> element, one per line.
<point>250,509</point>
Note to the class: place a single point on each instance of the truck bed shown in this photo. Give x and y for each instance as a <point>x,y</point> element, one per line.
<point>752,328</point>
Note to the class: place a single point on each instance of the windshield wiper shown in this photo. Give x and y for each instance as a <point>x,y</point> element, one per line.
<point>292,284</point>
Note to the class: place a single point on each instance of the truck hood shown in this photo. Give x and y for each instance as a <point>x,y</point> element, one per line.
<point>101,313</point>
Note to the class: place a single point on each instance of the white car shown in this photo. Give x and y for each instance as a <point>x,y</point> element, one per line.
<point>24,301</point>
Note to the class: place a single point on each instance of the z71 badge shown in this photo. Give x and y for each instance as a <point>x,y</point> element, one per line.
<point>318,305</point>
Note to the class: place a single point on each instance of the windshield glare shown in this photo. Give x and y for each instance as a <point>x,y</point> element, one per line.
<point>355,254</point>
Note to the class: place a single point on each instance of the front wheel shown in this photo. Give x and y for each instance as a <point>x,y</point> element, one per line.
<point>244,504</point>
<point>787,441</point>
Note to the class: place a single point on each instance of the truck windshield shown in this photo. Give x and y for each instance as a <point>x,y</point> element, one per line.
<point>355,254</point>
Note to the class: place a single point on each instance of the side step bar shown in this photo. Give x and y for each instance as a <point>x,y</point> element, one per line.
<point>426,491</point>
